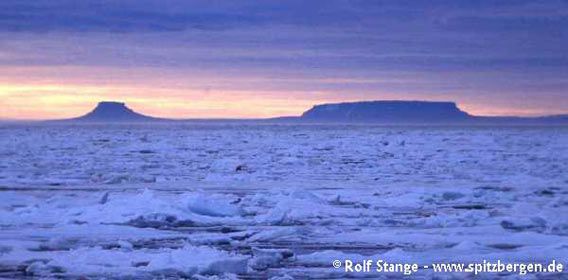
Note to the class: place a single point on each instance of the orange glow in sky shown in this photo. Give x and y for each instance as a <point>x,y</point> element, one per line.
<point>258,59</point>
<point>65,101</point>
<point>35,93</point>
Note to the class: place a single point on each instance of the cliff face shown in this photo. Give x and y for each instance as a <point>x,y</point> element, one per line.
<point>113,112</point>
<point>387,111</point>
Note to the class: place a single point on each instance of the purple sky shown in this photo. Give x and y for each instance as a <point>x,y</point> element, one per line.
<point>269,58</point>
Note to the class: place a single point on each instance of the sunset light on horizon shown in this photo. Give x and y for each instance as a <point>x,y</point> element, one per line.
<point>283,139</point>
<point>267,59</point>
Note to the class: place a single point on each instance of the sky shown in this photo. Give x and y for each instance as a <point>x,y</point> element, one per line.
<point>259,58</point>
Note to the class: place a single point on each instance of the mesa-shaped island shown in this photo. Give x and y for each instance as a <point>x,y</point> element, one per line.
<point>387,112</point>
<point>112,111</point>
<point>390,112</point>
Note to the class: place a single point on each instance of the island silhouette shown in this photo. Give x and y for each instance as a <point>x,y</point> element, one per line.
<point>386,111</point>
<point>113,111</point>
<point>381,111</point>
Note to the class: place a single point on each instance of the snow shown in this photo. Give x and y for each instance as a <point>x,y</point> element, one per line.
<point>171,200</point>
<point>185,261</point>
<point>211,206</point>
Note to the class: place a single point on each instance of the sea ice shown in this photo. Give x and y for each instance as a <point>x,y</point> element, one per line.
<point>170,201</point>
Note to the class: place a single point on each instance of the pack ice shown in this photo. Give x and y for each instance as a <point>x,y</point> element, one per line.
<point>276,202</point>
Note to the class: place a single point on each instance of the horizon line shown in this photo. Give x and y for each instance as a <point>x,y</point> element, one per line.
<point>125,103</point>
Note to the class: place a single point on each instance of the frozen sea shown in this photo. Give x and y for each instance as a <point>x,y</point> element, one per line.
<point>244,201</point>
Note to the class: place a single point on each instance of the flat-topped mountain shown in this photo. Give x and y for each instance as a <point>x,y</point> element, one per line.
<point>387,112</point>
<point>110,111</point>
<point>380,112</point>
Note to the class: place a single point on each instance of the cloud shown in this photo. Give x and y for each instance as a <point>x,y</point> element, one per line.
<point>118,16</point>
<point>334,48</point>
<point>168,16</point>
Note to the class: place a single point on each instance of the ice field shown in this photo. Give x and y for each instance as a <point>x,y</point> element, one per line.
<point>243,201</point>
